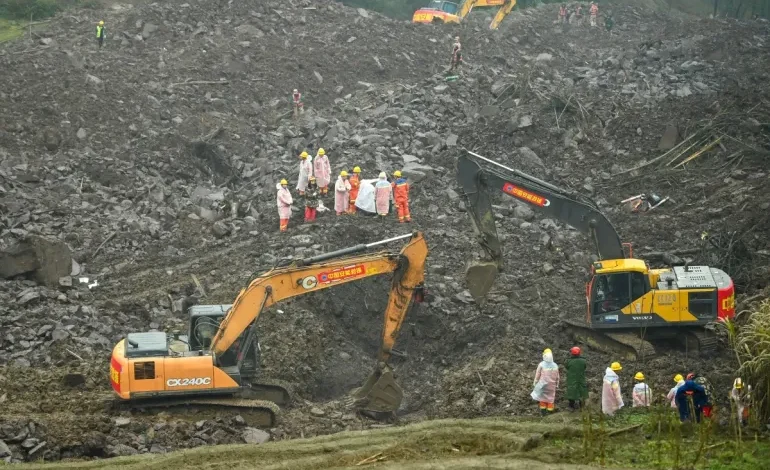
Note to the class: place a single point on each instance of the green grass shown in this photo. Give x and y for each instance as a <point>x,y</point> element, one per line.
<point>10,30</point>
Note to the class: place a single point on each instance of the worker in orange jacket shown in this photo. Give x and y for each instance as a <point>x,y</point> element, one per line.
<point>355,184</point>
<point>401,197</point>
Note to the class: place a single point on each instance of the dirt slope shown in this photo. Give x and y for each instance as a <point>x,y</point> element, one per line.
<point>151,178</point>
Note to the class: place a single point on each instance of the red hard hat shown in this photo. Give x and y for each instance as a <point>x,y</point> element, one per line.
<point>691,375</point>
<point>575,351</point>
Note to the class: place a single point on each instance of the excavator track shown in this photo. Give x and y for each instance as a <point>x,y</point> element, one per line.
<point>627,345</point>
<point>703,341</point>
<point>261,413</point>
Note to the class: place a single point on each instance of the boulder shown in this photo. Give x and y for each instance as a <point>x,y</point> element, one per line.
<point>47,260</point>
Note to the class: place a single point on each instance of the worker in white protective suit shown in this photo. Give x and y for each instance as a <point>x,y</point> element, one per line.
<point>741,395</point>
<point>679,381</point>
<point>545,384</point>
<point>612,400</point>
<point>641,394</point>
<point>305,172</point>
<point>365,199</point>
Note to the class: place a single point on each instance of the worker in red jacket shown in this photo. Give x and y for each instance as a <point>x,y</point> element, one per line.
<point>355,185</point>
<point>401,197</point>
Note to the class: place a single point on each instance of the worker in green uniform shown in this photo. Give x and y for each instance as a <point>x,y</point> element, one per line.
<point>609,22</point>
<point>577,388</point>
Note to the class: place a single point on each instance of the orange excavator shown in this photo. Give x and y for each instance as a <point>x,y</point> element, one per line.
<point>440,11</point>
<point>218,364</point>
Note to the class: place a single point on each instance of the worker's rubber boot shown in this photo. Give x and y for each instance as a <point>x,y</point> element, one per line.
<point>543,412</point>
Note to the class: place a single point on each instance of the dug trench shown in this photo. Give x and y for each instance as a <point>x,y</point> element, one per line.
<point>112,165</point>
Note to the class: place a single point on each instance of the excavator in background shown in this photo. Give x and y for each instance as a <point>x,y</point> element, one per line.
<point>629,304</point>
<point>219,364</point>
<point>439,11</point>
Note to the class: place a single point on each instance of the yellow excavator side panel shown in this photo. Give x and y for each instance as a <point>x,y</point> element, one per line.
<point>502,13</point>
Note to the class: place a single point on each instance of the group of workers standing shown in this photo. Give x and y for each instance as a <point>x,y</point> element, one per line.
<point>576,16</point>
<point>351,193</point>
<point>692,395</point>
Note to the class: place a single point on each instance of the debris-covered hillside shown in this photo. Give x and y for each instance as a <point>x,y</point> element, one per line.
<point>152,163</point>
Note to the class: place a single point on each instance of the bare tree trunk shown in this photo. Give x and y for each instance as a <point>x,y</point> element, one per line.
<point>738,10</point>
<point>716,6</point>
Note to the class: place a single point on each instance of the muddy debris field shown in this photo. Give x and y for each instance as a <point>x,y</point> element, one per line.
<point>130,172</point>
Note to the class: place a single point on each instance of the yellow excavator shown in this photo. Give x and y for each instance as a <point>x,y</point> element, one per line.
<point>218,365</point>
<point>439,11</point>
<point>628,304</point>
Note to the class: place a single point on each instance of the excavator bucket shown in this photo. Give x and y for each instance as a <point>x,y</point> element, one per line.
<point>380,393</point>
<point>479,277</point>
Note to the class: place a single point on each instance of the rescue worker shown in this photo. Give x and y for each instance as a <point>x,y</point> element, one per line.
<point>594,12</point>
<point>305,172</point>
<point>671,397</point>
<point>284,204</point>
<point>612,400</point>
<point>383,193</point>
<point>579,15</point>
<point>690,397</point>
<point>704,382</point>
<point>609,22</point>
<point>365,203</point>
<point>355,184</point>
<point>563,13</point>
<point>742,398</point>
<point>545,384</point>
<point>322,171</point>
<point>299,106</point>
<point>100,33</point>
<point>641,394</point>
<point>457,55</point>
<point>342,193</point>
<point>311,200</point>
<point>401,196</point>
<point>577,388</point>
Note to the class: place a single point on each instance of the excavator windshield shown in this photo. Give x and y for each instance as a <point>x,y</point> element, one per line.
<point>446,7</point>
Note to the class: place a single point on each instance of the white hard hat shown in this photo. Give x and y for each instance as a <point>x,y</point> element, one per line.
<point>383,175</point>
<point>295,90</point>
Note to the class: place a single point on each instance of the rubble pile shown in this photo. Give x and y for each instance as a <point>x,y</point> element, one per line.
<point>153,161</point>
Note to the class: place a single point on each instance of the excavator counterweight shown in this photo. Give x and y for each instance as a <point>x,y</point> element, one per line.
<point>624,295</point>
<point>218,363</point>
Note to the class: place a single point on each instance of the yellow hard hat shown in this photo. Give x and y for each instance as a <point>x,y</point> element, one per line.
<point>397,173</point>
<point>303,155</point>
<point>311,178</point>
<point>738,383</point>
<point>321,151</point>
<point>639,376</point>
<point>678,378</point>
<point>101,23</point>
<point>547,351</point>
<point>284,182</point>
<point>356,170</point>
<point>344,173</point>
<point>616,366</point>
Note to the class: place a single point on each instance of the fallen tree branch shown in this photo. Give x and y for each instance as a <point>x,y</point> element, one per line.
<point>109,237</point>
<point>201,82</point>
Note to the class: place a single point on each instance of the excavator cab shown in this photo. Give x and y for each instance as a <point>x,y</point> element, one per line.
<point>437,11</point>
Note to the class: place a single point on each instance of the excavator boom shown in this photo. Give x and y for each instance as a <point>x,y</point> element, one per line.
<point>572,208</point>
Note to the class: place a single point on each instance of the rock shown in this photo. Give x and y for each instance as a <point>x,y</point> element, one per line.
<point>148,29</point>
<point>392,120</point>
<point>489,111</point>
<point>416,172</point>
<point>363,13</point>
<point>318,77</point>
<point>81,134</point>
<point>5,451</point>
<point>46,41</point>
<point>255,436</point>
<point>544,57</point>
<point>315,411</point>
<point>43,330</point>
<point>27,296</point>
<point>529,158</point>
<point>498,87</point>
<point>440,88</point>
<point>548,268</point>
<point>33,451</point>
<point>249,30</point>
<point>51,140</point>
<point>525,121</point>
<point>122,422</point>
<point>683,91</point>
<point>220,229</point>
<point>523,212</point>
<point>670,137</point>
<point>451,141</point>
<point>47,259</point>
<point>120,450</point>
<point>65,281</point>
<point>29,443</point>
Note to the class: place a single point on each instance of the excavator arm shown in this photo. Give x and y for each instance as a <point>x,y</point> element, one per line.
<point>478,182</point>
<point>502,13</point>
<point>380,393</point>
